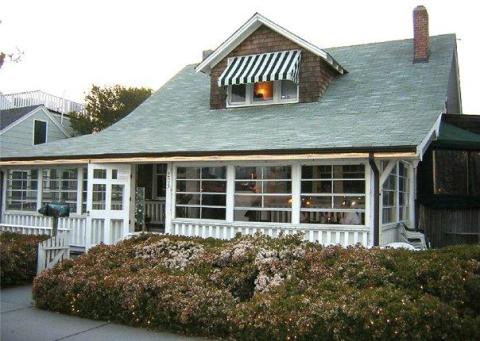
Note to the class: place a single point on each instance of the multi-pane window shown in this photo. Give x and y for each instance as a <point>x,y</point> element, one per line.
<point>333,194</point>
<point>60,185</point>
<point>160,180</point>
<point>201,192</point>
<point>84,189</point>
<point>263,194</point>
<point>395,193</point>
<point>22,186</point>
<point>271,92</point>
<point>99,196</point>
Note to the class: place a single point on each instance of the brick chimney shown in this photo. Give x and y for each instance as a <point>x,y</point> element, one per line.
<point>421,42</point>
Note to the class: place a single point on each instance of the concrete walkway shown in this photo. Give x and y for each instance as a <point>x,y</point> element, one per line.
<point>21,321</point>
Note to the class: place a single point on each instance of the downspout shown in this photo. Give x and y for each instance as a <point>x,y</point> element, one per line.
<point>376,202</point>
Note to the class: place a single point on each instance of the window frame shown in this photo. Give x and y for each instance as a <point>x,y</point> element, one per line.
<point>24,196</point>
<point>249,100</point>
<point>46,131</point>
<point>47,187</point>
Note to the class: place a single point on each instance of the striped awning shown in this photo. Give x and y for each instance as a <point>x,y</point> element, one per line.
<point>261,68</point>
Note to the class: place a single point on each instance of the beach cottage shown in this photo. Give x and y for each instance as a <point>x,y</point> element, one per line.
<point>268,133</point>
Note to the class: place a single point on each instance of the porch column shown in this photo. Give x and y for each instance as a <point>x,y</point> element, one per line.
<point>296,184</point>
<point>169,196</point>
<point>39,188</point>
<point>412,190</point>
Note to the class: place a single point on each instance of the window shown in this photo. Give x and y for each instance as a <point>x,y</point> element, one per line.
<point>99,196</point>
<point>263,194</point>
<point>457,172</point>
<point>262,93</point>
<point>160,180</point>
<point>117,197</point>
<point>84,189</point>
<point>333,194</point>
<point>395,193</point>
<point>201,192</point>
<point>60,185</point>
<point>39,132</point>
<point>22,188</point>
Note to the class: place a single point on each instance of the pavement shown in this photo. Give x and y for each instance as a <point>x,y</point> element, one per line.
<point>20,321</point>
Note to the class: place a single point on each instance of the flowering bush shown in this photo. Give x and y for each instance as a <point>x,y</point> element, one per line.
<point>18,257</point>
<point>255,287</point>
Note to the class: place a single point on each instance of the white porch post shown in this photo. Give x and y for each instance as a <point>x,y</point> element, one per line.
<point>230,199</point>
<point>79,189</point>
<point>39,188</point>
<point>88,225</point>
<point>169,196</point>
<point>296,189</point>
<point>4,192</point>
<point>369,202</point>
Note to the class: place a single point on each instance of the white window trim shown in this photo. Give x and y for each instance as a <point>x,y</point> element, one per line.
<point>33,131</point>
<point>249,101</point>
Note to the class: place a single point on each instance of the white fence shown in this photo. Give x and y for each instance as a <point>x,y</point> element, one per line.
<point>37,224</point>
<point>25,99</point>
<point>328,235</point>
<point>52,251</point>
<point>155,210</point>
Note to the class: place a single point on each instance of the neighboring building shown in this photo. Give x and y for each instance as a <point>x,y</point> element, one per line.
<point>269,133</point>
<point>21,128</point>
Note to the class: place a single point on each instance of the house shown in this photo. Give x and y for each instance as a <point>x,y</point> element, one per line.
<point>268,133</point>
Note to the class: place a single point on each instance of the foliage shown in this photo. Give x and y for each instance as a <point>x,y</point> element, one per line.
<point>255,287</point>
<point>18,257</point>
<point>105,106</point>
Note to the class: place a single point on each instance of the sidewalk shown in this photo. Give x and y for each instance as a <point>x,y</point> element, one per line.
<point>20,321</point>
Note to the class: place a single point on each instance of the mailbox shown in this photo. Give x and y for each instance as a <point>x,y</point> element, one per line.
<point>55,209</point>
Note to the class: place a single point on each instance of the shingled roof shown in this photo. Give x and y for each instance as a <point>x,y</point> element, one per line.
<point>9,116</point>
<point>385,101</point>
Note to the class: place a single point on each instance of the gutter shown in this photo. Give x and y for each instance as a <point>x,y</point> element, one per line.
<point>376,198</point>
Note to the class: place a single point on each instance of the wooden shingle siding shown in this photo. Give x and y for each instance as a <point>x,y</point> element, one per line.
<point>315,74</point>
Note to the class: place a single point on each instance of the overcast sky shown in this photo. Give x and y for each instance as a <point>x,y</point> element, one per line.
<point>70,45</point>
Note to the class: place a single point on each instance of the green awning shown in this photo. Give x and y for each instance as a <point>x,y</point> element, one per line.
<point>453,136</point>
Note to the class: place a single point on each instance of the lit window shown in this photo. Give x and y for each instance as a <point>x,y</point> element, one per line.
<point>263,194</point>
<point>201,192</point>
<point>275,92</point>
<point>263,91</point>
<point>332,194</point>
<point>39,132</point>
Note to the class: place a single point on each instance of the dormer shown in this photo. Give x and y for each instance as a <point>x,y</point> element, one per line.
<point>262,63</point>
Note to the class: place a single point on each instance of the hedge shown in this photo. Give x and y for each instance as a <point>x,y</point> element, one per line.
<point>18,257</point>
<point>258,288</point>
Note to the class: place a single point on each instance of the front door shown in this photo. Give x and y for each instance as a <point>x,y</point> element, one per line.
<point>108,203</point>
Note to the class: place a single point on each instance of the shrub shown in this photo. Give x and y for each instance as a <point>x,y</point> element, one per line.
<point>18,257</point>
<point>255,287</point>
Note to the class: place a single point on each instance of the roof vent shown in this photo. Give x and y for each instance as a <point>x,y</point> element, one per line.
<point>421,42</point>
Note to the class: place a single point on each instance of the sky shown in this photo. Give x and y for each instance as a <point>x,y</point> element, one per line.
<point>70,45</point>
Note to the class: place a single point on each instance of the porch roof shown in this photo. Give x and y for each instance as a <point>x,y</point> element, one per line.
<point>385,101</point>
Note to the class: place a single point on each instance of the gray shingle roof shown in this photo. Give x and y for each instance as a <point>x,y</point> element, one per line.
<point>8,116</point>
<point>384,101</point>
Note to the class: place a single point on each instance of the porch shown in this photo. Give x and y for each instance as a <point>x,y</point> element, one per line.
<point>328,201</point>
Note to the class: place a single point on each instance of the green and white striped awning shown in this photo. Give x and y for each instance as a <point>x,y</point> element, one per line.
<point>263,67</point>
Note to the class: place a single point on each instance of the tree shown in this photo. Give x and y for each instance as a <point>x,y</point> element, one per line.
<point>105,106</point>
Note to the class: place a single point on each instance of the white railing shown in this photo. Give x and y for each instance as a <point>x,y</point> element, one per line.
<point>25,223</point>
<point>155,210</point>
<point>29,98</point>
<point>325,235</point>
<point>52,251</point>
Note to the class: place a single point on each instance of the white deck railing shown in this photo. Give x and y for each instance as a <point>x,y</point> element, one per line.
<point>155,210</point>
<point>26,223</point>
<point>325,235</point>
<point>28,98</point>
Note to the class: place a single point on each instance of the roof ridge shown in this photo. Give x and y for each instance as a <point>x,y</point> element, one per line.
<point>385,41</point>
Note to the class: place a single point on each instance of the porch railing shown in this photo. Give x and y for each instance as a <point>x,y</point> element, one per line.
<point>36,224</point>
<point>155,210</point>
<point>325,235</point>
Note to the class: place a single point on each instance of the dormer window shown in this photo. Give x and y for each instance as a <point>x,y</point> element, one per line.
<point>274,92</point>
<point>268,78</point>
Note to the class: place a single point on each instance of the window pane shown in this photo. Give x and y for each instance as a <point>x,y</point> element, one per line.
<point>214,186</point>
<point>213,213</point>
<point>451,172</point>
<point>188,186</point>
<point>349,202</point>
<point>248,201</point>
<point>214,173</point>
<point>263,91</point>
<point>98,196</point>
<point>213,200</point>
<point>188,173</point>
<point>316,202</point>
<point>248,186</point>
<point>316,172</point>
<point>188,199</point>
<point>187,212</point>
<point>277,187</point>
<point>289,90</point>
<point>114,173</point>
<point>238,93</point>
<point>117,197</point>
<point>317,186</point>
<point>349,186</point>
<point>346,218</point>
<point>99,173</point>
<point>474,173</point>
